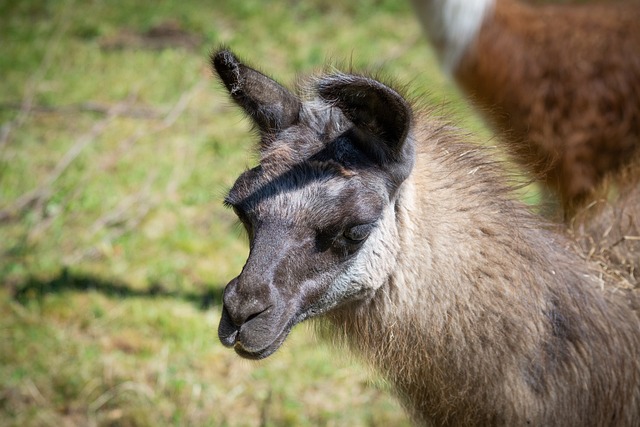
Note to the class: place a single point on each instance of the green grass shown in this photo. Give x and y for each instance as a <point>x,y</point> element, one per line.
<point>85,358</point>
<point>111,277</point>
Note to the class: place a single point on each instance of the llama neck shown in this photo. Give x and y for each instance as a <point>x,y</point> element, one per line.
<point>452,25</point>
<point>486,313</point>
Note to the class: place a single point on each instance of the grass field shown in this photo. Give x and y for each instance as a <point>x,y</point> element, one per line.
<point>116,148</point>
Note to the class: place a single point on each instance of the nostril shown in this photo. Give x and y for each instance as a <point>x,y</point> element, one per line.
<point>254,315</point>
<point>242,306</point>
<point>244,313</point>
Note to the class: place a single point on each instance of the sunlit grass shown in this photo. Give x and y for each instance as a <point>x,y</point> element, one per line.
<point>140,361</point>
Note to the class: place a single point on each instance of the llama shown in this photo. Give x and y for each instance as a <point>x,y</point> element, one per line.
<point>408,243</point>
<point>560,83</point>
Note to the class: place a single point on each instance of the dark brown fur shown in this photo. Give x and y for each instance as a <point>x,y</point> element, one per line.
<point>562,84</point>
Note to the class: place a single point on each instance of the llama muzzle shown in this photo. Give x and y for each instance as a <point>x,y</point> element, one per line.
<point>254,327</point>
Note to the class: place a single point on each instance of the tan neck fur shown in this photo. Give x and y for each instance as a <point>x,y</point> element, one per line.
<point>485,315</point>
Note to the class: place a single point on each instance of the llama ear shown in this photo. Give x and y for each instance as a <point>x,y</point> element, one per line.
<point>270,105</point>
<point>381,118</point>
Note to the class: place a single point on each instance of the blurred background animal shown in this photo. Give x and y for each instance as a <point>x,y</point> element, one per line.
<point>560,83</point>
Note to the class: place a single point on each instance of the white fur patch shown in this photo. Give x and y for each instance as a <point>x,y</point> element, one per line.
<point>370,269</point>
<point>452,25</point>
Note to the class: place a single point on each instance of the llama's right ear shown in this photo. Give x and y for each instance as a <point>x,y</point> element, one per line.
<point>381,117</point>
<point>271,106</point>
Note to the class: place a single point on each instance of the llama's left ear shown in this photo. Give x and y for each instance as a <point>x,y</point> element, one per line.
<point>271,106</point>
<point>380,115</point>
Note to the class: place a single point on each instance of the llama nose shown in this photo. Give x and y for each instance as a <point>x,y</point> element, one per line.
<point>242,307</point>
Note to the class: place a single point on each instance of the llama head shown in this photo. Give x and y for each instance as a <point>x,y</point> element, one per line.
<point>319,207</point>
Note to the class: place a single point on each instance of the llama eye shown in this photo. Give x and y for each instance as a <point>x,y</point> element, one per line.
<point>242,216</point>
<point>358,233</point>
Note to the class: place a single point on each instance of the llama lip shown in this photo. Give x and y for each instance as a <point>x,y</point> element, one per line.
<point>258,338</point>
<point>266,351</point>
<point>227,330</point>
<point>254,355</point>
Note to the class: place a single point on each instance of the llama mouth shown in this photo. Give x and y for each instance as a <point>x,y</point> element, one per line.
<point>252,339</point>
<point>265,352</point>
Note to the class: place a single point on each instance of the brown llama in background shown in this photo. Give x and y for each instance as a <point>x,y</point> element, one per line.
<point>407,240</point>
<point>560,83</point>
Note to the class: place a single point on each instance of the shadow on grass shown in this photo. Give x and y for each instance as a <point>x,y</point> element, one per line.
<point>67,281</point>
